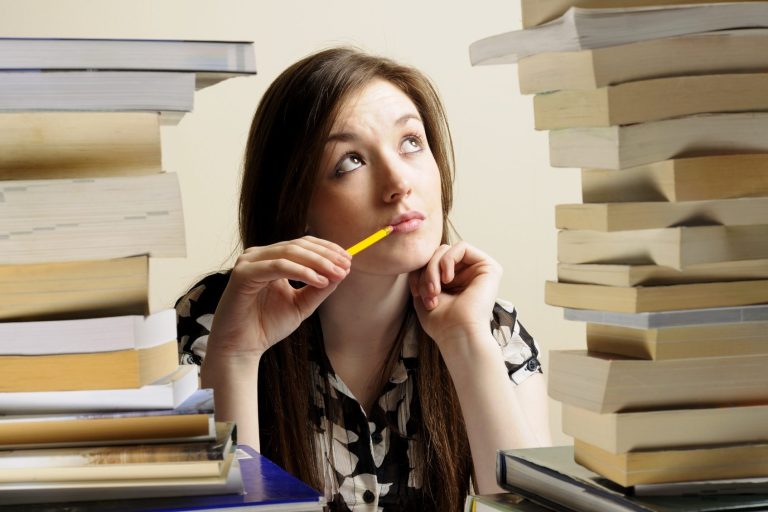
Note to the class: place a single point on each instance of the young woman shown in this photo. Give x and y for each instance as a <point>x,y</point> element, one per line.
<point>388,379</point>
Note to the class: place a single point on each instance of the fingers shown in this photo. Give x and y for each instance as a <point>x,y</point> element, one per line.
<point>310,260</point>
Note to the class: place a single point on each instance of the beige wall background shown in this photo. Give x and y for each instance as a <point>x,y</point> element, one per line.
<point>505,189</point>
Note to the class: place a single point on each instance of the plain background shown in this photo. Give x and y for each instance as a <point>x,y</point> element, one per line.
<point>505,190</point>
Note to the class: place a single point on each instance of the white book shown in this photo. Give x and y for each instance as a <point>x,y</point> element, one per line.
<point>211,61</point>
<point>166,393</point>
<point>96,91</point>
<point>580,29</point>
<point>94,218</point>
<point>678,318</point>
<point>87,335</point>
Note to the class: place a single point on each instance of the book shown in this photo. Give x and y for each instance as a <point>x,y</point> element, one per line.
<point>678,247</point>
<point>171,460</point>
<point>705,487</point>
<point>538,12</point>
<point>126,91</point>
<point>579,29</point>
<point>56,145</point>
<point>651,100</point>
<point>652,275</point>
<point>211,61</point>
<point>75,219</point>
<point>667,319</point>
<point>501,501</point>
<point>618,147</point>
<point>192,420</point>
<point>652,215</point>
<point>165,393</point>
<point>675,465</point>
<point>726,51</point>
<point>681,179</point>
<point>266,487</point>
<point>87,335</point>
<point>550,476</point>
<point>74,289</point>
<point>612,383</point>
<point>120,369</point>
<point>666,429</point>
<point>704,340</point>
<point>636,299</point>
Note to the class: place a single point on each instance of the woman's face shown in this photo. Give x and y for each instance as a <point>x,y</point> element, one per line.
<point>377,170</point>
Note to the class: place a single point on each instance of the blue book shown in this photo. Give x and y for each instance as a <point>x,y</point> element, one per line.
<point>265,486</point>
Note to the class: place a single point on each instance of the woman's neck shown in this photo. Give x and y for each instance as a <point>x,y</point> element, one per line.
<point>362,317</point>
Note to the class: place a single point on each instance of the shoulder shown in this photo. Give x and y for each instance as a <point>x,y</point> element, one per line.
<point>519,349</point>
<point>194,315</point>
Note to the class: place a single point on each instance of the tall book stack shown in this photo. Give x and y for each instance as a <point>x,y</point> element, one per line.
<point>94,403</point>
<point>663,106</point>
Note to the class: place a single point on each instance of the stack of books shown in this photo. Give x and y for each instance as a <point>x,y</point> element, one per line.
<point>663,106</point>
<point>93,400</point>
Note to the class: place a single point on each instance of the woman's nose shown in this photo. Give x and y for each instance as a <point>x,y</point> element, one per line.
<point>396,183</point>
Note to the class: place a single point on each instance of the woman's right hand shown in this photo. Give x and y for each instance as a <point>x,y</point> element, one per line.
<point>259,307</point>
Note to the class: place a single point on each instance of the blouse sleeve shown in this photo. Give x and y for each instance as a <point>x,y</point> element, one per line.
<point>194,316</point>
<point>519,349</point>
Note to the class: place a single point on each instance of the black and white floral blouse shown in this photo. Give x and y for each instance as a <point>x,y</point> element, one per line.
<point>367,460</point>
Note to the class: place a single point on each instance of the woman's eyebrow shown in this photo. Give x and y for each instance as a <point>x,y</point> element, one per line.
<point>347,136</point>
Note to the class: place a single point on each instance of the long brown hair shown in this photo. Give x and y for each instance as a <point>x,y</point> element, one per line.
<point>285,143</point>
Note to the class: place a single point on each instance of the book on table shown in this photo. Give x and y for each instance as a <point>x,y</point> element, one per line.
<point>538,12</point>
<point>680,342</point>
<point>651,100</point>
<point>500,502</point>
<point>75,219</point>
<point>107,91</point>
<point>551,476</point>
<point>708,53</point>
<point>619,147</point>
<point>744,211</point>
<point>636,299</point>
<point>130,461</point>
<point>667,429</point>
<point>265,486</point>
<point>57,145</point>
<point>74,289</point>
<point>166,393</point>
<point>579,29</point>
<point>192,420</point>
<point>652,275</point>
<point>211,61</point>
<point>680,179</point>
<point>677,247</point>
<point>666,319</point>
<point>606,383</point>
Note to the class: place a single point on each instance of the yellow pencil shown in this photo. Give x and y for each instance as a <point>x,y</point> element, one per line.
<point>367,242</point>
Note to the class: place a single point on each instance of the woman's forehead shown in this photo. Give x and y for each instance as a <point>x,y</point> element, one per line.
<point>378,102</point>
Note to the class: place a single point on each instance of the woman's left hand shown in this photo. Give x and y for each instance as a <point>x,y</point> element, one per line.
<point>454,293</point>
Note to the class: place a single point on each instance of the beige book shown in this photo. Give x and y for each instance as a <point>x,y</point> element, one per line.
<point>638,299</point>
<point>652,215</point>
<point>87,288</point>
<point>611,383</point>
<point>95,218</point>
<point>683,179</point>
<point>537,12</point>
<point>667,429</point>
<point>651,100</point>
<point>678,247</point>
<point>675,465</point>
<point>121,369</point>
<point>653,275</point>
<point>715,340</point>
<point>728,51</point>
<point>619,147</point>
<point>55,145</point>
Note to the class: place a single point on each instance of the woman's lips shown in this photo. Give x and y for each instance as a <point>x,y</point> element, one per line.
<point>408,225</point>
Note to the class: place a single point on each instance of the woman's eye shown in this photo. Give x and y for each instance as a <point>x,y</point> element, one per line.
<point>411,144</point>
<point>348,164</point>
